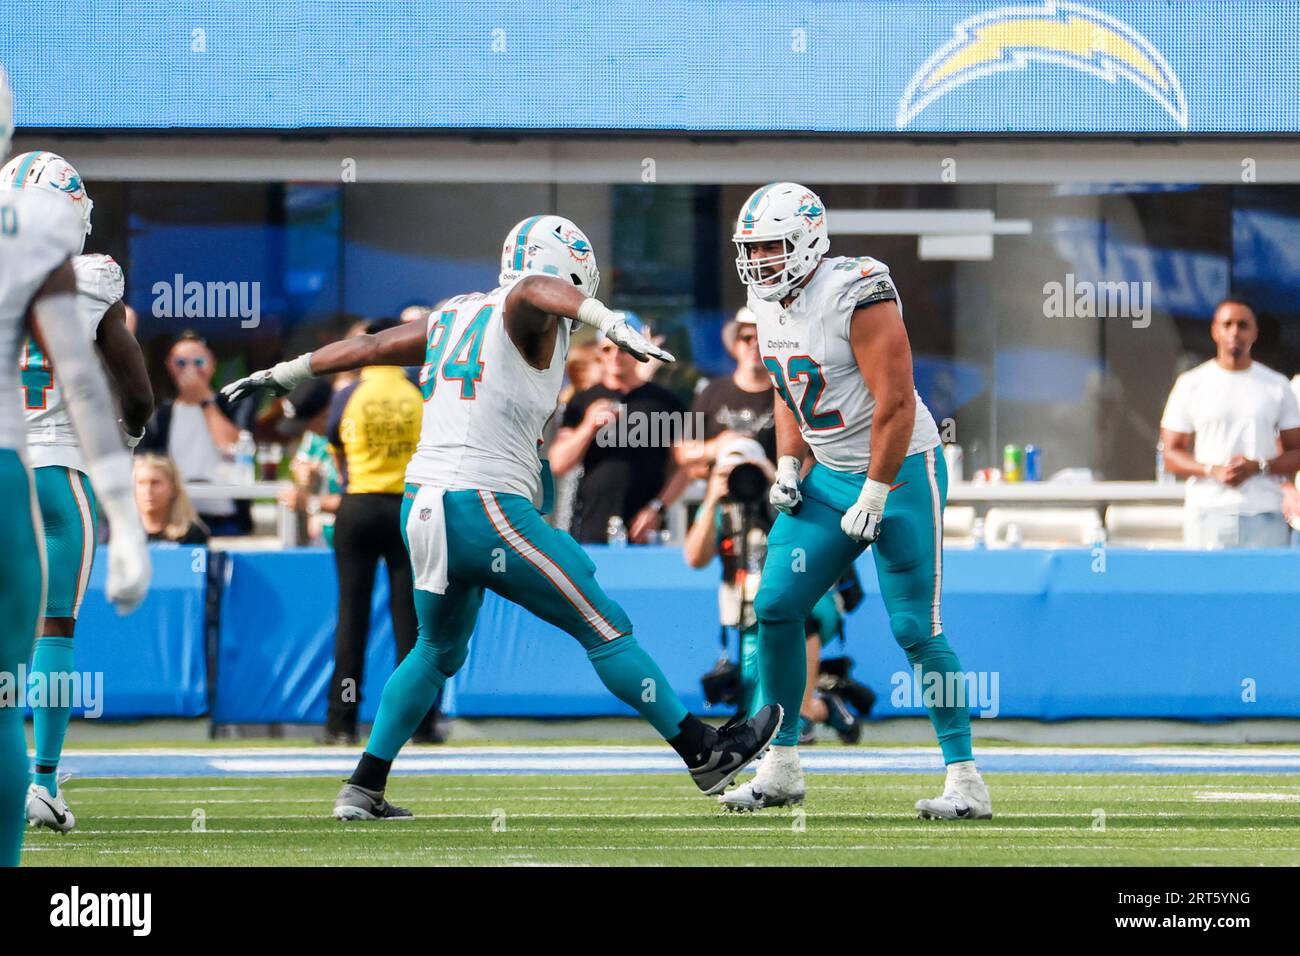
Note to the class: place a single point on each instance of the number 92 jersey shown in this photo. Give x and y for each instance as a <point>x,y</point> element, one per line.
<point>51,439</point>
<point>807,352</point>
<point>39,231</point>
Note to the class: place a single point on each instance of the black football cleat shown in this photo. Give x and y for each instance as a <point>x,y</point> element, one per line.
<point>732,747</point>
<point>358,803</point>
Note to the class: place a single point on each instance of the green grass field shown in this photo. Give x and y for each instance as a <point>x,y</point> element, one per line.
<point>619,820</point>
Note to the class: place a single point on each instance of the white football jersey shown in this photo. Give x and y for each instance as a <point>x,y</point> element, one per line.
<point>807,352</point>
<point>51,439</point>
<point>39,231</point>
<point>484,405</point>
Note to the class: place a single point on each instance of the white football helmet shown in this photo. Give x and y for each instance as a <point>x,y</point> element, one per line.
<point>792,214</point>
<point>6,114</point>
<point>40,169</point>
<point>553,246</point>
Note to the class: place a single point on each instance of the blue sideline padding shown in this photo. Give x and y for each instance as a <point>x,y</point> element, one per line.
<point>153,662</point>
<point>1045,634</point>
<point>276,648</point>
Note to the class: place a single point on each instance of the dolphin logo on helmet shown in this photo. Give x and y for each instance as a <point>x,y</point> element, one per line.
<point>791,214</point>
<point>45,170</point>
<point>550,245</point>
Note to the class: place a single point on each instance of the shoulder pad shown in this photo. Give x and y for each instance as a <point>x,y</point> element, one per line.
<point>100,278</point>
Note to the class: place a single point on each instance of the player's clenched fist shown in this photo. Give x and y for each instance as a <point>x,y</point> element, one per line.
<point>785,495</point>
<point>862,521</point>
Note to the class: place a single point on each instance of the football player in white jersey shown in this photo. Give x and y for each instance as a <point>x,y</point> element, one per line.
<point>63,490</point>
<point>40,232</point>
<point>493,365</point>
<point>859,465</point>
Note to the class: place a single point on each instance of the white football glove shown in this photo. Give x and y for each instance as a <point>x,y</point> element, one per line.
<point>593,312</point>
<point>862,521</point>
<point>128,563</point>
<point>635,344</point>
<point>276,381</point>
<point>785,496</point>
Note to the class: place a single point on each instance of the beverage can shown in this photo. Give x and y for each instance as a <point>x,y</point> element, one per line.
<point>1013,463</point>
<point>1033,463</point>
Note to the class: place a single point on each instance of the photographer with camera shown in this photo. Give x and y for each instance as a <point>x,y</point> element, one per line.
<point>733,521</point>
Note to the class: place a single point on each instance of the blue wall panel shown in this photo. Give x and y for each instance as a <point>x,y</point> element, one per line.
<point>1154,634</point>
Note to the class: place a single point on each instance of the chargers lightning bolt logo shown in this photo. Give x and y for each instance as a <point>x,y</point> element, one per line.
<point>1077,37</point>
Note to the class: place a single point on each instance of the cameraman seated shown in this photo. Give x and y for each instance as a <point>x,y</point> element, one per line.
<point>733,521</point>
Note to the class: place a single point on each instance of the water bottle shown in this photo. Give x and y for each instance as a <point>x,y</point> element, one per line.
<point>977,533</point>
<point>616,533</point>
<point>245,459</point>
<point>1015,537</point>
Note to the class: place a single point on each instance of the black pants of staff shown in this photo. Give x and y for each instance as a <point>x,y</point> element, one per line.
<point>366,529</point>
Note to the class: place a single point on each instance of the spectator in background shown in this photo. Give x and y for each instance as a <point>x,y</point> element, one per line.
<point>737,405</point>
<point>317,487</point>
<point>165,508</point>
<point>373,426</point>
<point>198,430</point>
<point>1244,422</point>
<point>623,478</point>
<point>582,369</point>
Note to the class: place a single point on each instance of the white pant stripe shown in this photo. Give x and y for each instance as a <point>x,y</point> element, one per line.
<point>936,507</point>
<point>543,563</point>
<point>87,538</point>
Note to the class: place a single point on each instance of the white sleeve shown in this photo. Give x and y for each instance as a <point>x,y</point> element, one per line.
<point>99,277</point>
<point>1178,411</point>
<point>868,281</point>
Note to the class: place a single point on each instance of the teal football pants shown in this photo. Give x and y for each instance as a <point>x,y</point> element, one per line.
<point>22,593</point>
<point>807,552</point>
<point>500,542</point>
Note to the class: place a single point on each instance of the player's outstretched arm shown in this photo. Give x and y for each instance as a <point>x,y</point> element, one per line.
<point>125,362</point>
<point>535,298</point>
<point>53,320</point>
<point>402,345</point>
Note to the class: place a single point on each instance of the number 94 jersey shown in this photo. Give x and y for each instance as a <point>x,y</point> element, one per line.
<point>807,352</point>
<point>484,406</point>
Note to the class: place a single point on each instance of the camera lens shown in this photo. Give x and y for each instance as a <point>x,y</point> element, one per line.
<point>746,483</point>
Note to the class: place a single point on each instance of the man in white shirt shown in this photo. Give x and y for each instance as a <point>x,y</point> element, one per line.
<point>1237,414</point>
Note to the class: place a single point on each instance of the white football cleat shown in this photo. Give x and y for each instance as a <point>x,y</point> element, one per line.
<point>778,783</point>
<point>965,797</point>
<point>46,811</point>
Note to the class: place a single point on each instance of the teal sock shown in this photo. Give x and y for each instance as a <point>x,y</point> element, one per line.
<point>53,659</point>
<point>14,777</point>
<point>748,703</point>
<point>951,723</point>
<point>783,669</point>
<point>635,679</point>
<point>408,695</point>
